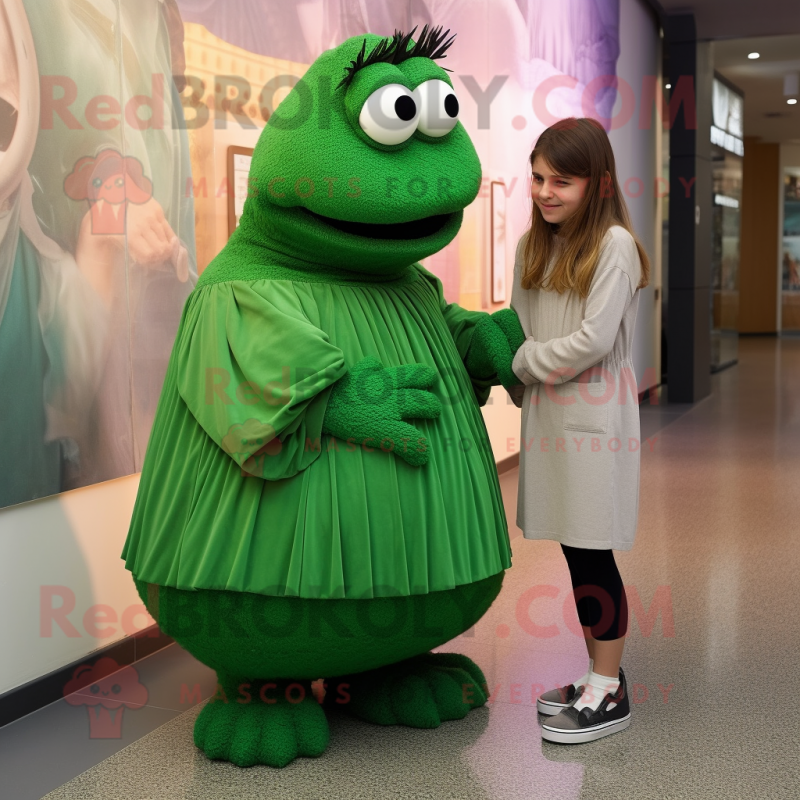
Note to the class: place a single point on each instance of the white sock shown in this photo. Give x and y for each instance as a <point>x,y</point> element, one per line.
<point>585,679</point>
<point>596,688</point>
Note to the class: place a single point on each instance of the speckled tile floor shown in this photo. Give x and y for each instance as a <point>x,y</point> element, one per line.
<point>711,659</point>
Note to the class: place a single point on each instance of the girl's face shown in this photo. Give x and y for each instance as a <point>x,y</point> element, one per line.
<point>558,197</point>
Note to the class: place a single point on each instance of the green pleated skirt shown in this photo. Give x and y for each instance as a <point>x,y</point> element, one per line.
<point>335,520</point>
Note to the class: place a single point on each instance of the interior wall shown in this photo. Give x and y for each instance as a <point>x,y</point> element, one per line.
<point>789,158</point>
<point>635,151</point>
<point>760,227</point>
<point>64,590</point>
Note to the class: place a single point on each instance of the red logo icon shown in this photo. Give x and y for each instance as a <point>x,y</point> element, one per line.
<point>106,690</point>
<point>109,181</point>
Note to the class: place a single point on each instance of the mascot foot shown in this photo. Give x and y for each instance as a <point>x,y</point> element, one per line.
<point>421,692</point>
<point>262,722</point>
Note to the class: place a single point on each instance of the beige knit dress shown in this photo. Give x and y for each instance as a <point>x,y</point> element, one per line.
<point>579,453</point>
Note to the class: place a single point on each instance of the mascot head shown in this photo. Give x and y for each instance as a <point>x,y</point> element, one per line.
<point>365,165</point>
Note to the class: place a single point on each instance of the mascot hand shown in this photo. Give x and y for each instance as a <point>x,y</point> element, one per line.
<point>371,401</point>
<point>495,341</point>
<point>507,320</point>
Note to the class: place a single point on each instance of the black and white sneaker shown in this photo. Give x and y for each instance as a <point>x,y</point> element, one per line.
<point>573,727</point>
<point>556,700</point>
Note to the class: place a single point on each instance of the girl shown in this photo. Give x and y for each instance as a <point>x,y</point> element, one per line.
<point>577,277</point>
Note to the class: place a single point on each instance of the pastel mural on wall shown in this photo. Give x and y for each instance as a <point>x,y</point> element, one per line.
<point>92,284</point>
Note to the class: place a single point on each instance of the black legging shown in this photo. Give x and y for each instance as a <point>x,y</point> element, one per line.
<point>599,593</point>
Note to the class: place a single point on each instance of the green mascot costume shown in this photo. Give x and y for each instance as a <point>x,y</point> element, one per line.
<point>319,499</point>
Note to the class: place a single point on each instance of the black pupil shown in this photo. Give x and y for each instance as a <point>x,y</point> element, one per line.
<point>405,108</point>
<point>451,105</point>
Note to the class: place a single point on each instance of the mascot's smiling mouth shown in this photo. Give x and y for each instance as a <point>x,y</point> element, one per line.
<point>414,229</point>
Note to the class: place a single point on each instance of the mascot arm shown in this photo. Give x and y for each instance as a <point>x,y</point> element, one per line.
<point>256,373</point>
<point>486,342</point>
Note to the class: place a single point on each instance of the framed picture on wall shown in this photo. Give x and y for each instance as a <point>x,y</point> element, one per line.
<point>239,159</point>
<point>498,242</point>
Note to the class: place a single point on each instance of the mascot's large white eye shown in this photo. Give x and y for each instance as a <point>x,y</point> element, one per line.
<point>389,115</point>
<point>438,108</point>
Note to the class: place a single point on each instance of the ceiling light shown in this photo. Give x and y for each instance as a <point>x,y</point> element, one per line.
<point>754,55</point>
<point>791,101</point>
<point>668,85</point>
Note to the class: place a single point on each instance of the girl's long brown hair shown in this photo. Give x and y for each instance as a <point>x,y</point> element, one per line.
<point>579,148</point>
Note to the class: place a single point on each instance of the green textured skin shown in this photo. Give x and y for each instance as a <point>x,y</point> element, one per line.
<point>261,636</point>
<point>257,722</point>
<point>508,322</point>
<point>371,401</point>
<point>421,692</point>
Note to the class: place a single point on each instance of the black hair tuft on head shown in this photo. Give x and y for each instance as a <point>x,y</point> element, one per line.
<point>432,43</point>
